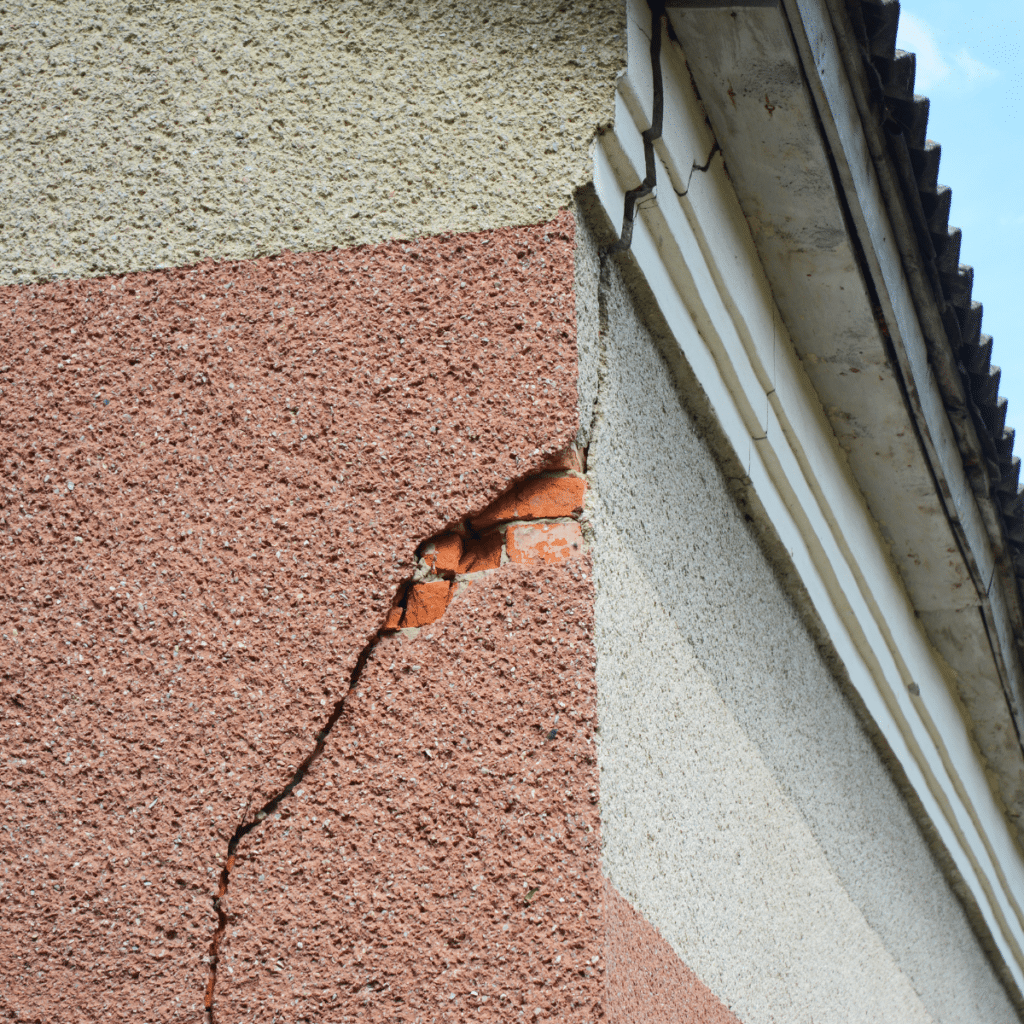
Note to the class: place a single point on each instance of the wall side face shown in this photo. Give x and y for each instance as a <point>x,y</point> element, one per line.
<point>152,135</point>
<point>214,480</point>
<point>442,861</point>
<point>744,811</point>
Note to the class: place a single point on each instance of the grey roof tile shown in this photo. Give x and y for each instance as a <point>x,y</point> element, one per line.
<point>905,119</point>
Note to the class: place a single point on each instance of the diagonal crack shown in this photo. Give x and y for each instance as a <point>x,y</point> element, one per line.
<point>271,805</point>
<point>703,168</point>
<point>388,627</point>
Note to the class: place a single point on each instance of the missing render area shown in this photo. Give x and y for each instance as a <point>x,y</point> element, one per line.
<point>534,522</point>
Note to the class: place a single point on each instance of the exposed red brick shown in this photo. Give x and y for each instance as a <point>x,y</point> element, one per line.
<point>539,497</point>
<point>543,497</point>
<point>396,610</point>
<point>484,553</point>
<point>501,510</point>
<point>645,980</point>
<point>443,553</point>
<point>426,603</point>
<point>539,543</point>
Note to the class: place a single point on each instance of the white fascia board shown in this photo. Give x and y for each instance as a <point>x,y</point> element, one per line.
<point>701,266</point>
<point>686,139</point>
<point>954,826</point>
<point>606,184</point>
<point>626,149</point>
<point>680,252</point>
<point>717,221</point>
<point>637,81</point>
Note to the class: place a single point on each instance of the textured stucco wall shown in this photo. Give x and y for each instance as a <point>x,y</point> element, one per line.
<point>394,886</point>
<point>744,810</point>
<point>255,449</point>
<point>141,135</point>
<point>645,981</point>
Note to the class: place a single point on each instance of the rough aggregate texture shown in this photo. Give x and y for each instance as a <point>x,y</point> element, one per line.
<point>145,135</point>
<point>255,449</point>
<point>441,861</point>
<point>645,981</point>
<point>769,845</point>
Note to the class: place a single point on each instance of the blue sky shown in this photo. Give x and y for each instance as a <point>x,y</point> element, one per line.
<point>970,64</point>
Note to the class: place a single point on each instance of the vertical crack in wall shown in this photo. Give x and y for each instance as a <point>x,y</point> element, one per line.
<point>534,522</point>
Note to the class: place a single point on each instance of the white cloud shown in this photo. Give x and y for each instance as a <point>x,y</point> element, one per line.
<point>915,35</point>
<point>973,68</point>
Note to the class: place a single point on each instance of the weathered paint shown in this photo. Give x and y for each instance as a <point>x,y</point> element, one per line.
<point>176,627</point>
<point>141,136</point>
<point>537,543</point>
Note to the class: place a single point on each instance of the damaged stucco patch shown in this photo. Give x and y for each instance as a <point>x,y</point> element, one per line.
<point>442,857</point>
<point>214,479</point>
<point>446,566</point>
<point>147,135</point>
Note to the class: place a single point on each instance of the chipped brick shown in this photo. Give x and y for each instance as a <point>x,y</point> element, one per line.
<point>426,603</point>
<point>444,553</point>
<point>546,497</point>
<point>481,554</point>
<point>539,543</point>
<point>394,617</point>
<point>500,510</point>
<point>540,497</point>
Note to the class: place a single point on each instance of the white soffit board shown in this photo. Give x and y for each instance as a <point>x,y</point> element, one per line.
<point>878,395</point>
<point>698,257</point>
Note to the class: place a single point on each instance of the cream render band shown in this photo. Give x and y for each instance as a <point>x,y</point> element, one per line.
<point>138,136</point>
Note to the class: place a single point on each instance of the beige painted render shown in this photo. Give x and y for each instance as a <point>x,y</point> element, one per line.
<point>143,135</point>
